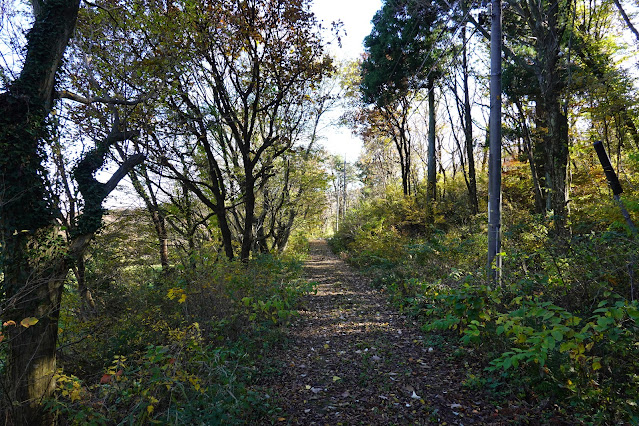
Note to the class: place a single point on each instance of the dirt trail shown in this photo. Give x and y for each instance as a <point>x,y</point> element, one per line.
<point>352,359</point>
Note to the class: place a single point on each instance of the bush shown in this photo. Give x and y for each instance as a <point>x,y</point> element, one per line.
<point>177,348</point>
<point>563,324</point>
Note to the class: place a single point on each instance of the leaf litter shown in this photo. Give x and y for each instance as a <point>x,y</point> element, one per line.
<point>351,358</point>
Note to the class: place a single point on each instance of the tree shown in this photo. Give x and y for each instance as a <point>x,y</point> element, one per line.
<point>567,57</point>
<point>471,181</point>
<point>253,65</point>
<point>35,261</point>
<point>115,61</point>
<point>400,63</point>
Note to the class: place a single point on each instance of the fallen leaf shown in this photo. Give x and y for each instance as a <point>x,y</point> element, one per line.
<point>415,396</point>
<point>336,378</point>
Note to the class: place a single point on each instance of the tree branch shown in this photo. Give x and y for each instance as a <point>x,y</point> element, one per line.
<point>625,17</point>
<point>65,94</point>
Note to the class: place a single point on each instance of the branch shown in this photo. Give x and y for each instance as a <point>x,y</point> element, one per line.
<point>65,94</point>
<point>46,43</point>
<point>93,214</point>
<point>122,171</point>
<point>625,17</point>
<point>518,59</point>
<point>189,183</point>
<point>94,192</point>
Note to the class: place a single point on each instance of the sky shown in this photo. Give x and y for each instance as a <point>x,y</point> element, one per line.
<point>356,16</point>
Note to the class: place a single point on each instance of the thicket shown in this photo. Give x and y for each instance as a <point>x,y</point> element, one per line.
<point>176,347</point>
<point>561,328</point>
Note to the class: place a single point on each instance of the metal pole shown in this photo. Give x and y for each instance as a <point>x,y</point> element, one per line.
<point>337,189</point>
<point>344,196</point>
<point>494,160</point>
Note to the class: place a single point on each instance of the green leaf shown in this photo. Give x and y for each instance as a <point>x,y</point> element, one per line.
<point>566,346</point>
<point>507,363</point>
<point>558,335</point>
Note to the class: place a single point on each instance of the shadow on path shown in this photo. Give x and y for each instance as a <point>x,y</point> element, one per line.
<point>352,359</point>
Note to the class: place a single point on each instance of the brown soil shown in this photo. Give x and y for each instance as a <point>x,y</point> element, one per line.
<point>350,358</point>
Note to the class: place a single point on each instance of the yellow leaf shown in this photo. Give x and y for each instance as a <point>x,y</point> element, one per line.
<point>149,409</point>
<point>28,322</point>
<point>336,378</point>
<point>8,323</point>
<point>596,365</point>
<point>326,346</point>
<point>182,298</point>
<point>75,395</point>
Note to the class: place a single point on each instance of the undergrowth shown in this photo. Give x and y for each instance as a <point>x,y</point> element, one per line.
<point>562,325</point>
<point>178,347</point>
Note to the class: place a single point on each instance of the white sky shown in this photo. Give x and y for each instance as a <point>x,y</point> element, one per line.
<point>356,16</point>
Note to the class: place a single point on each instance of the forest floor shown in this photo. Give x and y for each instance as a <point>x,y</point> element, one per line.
<point>350,358</point>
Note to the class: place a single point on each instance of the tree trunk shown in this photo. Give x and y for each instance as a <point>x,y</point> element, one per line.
<point>157,215</point>
<point>26,213</point>
<point>548,32</point>
<point>249,215</point>
<point>33,293</point>
<point>556,165</point>
<point>87,304</point>
<point>284,233</point>
<point>528,148</point>
<point>431,184</point>
<point>468,133</point>
<point>225,230</point>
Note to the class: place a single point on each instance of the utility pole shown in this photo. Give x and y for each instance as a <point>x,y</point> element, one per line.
<point>337,189</point>
<point>344,182</point>
<point>494,154</point>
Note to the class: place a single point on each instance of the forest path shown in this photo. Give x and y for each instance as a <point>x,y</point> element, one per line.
<point>350,358</point>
